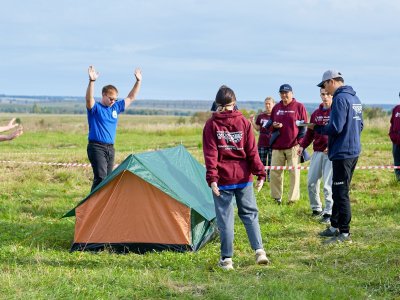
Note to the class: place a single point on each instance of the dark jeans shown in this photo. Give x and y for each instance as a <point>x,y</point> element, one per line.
<point>396,158</point>
<point>266,157</point>
<point>341,211</point>
<point>101,157</point>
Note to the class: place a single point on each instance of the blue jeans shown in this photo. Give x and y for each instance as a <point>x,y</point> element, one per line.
<point>101,157</point>
<point>396,158</point>
<point>248,213</point>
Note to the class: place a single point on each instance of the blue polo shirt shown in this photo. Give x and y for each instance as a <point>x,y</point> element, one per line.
<point>103,121</point>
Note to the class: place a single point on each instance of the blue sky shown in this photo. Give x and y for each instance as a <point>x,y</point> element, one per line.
<point>188,48</point>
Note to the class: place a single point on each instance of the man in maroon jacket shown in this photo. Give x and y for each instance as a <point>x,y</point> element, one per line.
<point>320,165</point>
<point>231,159</point>
<point>284,149</point>
<point>394,134</point>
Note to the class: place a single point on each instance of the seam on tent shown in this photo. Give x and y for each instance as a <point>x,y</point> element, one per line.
<point>104,209</point>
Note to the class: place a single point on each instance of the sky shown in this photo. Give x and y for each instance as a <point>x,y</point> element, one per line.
<point>188,48</point>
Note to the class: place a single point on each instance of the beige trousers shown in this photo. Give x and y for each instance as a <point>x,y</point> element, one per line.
<point>286,157</point>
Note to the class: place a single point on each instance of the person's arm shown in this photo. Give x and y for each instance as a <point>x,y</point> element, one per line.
<point>210,151</point>
<point>90,89</point>
<point>13,135</point>
<point>135,90</point>
<point>302,130</point>
<point>9,126</point>
<point>310,134</point>
<point>253,123</point>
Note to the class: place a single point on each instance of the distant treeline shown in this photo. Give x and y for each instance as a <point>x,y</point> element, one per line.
<point>194,108</point>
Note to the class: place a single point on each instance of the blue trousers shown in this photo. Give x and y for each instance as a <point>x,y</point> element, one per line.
<point>248,213</point>
<point>396,158</point>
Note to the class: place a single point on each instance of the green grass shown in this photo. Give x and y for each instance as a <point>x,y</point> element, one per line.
<point>35,262</point>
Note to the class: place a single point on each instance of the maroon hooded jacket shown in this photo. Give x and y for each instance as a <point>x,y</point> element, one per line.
<point>319,117</point>
<point>265,133</point>
<point>394,132</point>
<point>288,115</point>
<point>230,150</point>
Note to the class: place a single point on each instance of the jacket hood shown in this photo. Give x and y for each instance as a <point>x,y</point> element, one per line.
<point>345,89</point>
<point>226,117</point>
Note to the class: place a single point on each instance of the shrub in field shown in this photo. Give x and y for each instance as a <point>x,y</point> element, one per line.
<point>200,117</point>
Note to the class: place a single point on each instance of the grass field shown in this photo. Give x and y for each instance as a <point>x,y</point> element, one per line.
<point>35,262</point>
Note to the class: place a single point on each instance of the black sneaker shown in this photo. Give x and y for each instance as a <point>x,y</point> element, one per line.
<point>278,201</point>
<point>316,213</point>
<point>339,238</point>
<point>329,233</point>
<point>325,219</point>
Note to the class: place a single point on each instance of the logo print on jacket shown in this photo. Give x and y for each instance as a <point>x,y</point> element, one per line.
<point>233,137</point>
<point>358,111</point>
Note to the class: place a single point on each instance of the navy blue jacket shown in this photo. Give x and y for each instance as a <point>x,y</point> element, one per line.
<point>345,125</point>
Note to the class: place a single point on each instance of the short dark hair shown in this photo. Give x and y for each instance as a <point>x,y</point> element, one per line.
<point>338,79</point>
<point>108,88</point>
<point>225,96</point>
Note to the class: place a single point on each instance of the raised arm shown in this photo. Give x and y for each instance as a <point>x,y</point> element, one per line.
<point>12,135</point>
<point>90,89</point>
<point>135,90</point>
<point>9,126</point>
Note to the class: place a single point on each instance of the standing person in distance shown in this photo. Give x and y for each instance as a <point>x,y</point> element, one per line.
<point>11,125</point>
<point>264,147</point>
<point>320,165</point>
<point>231,159</point>
<point>284,149</point>
<point>103,120</point>
<point>394,134</point>
<point>344,147</point>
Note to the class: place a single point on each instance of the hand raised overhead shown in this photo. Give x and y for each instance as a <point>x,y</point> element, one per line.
<point>93,74</point>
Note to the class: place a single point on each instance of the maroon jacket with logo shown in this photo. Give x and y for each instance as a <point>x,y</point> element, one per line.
<point>394,132</point>
<point>230,150</point>
<point>265,133</point>
<point>319,117</point>
<point>288,115</point>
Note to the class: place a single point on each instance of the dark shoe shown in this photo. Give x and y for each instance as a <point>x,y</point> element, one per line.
<point>316,213</point>
<point>278,201</point>
<point>329,233</point>
<point>340,238</point>
<point>325,219</point>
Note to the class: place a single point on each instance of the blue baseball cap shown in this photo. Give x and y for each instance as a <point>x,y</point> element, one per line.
<point>285,88</point>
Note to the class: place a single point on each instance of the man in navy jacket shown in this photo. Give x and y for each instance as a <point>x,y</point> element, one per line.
<point>344,147</point>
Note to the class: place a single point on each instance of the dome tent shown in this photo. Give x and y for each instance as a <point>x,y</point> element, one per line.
<point>155,200</point>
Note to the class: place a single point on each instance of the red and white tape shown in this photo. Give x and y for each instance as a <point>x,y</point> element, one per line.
<point>85,165</point>
<point>57,164</point>
<point>306,168</point>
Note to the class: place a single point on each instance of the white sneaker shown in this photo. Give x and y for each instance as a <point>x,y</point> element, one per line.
<point>226,263</point>
<point>261,257</point>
